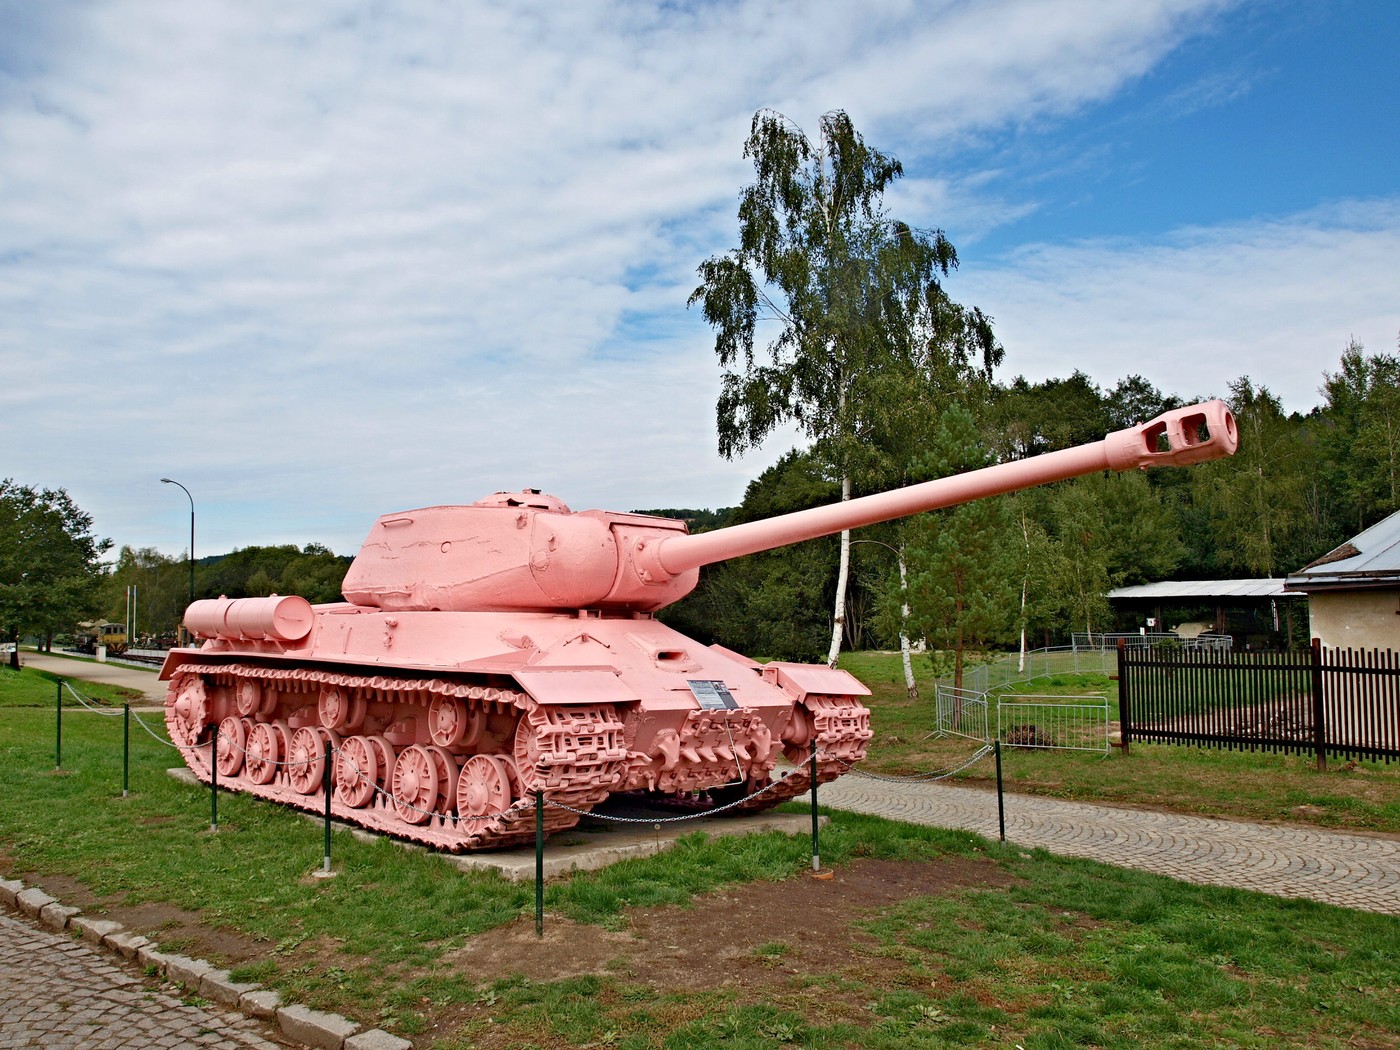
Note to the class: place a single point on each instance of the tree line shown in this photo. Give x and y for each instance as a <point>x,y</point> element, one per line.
<point>160,583</point>
<point>1041,561</point>
<point>53,578</point>
<point>1044,560</point>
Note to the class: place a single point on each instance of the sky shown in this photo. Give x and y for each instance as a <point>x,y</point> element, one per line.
<point>324,261</point>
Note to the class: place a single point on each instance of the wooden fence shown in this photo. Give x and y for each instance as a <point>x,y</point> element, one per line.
<point>1340,702</point>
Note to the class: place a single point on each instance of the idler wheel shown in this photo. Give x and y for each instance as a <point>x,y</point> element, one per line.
<point>306,759</point>
<point>414,784</point>
<point>452,723</point>
<point>188,711</point>
<point>233,741</point>
<point>357,771</point>
<point>265,749</point>
<point>487,786</point>
<point>798,730</point>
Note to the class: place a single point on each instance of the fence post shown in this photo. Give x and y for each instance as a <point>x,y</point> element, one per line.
<point>816,849</point>
<point>1318,707</point>
<point>539,862</point>
<point>214,779</point>
<point>1001,804</point>
<point>326,784</point>
<point>1125,718</point>
<point>58,727</point>
<point>126,749</point>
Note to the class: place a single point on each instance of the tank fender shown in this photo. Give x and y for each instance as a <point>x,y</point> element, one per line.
<point>798,680</point>
<point>573,685</point>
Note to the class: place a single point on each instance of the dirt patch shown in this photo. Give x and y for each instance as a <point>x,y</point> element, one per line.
<point>176,930</point>
<point>743,936</point>
<point>179,931</point>
<point>756,941</point>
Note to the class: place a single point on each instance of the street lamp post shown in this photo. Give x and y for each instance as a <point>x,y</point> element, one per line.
<point>171,481</point>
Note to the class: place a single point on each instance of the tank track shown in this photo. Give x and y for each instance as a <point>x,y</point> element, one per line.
<point>840,728</point>
<point>575,754</point>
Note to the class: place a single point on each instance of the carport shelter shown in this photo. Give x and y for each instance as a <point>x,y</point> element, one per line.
<point>1258,614</point>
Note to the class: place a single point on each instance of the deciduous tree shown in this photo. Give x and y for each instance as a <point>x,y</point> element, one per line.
<point>50,576</point>
<point>1362,439</point>
<point>964,563</point>
<point>852,292</point>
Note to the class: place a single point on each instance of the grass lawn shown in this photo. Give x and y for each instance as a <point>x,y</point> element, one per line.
<point>926,938</point>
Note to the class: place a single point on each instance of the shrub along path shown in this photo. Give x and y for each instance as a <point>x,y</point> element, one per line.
<point>1349,870</point>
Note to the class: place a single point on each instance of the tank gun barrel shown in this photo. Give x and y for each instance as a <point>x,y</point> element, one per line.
<point>1179,437</point>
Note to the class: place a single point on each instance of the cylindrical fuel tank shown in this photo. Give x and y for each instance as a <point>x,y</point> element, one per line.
<point>276,618</point>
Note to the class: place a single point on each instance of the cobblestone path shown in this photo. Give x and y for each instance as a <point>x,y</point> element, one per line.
<point>1352,871</point>
<point>58,993</point>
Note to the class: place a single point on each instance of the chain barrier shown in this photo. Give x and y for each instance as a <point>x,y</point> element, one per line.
<point>525,802</point>
<point>511,810</point>
<point>923,778</point>
<point>678,819</point>
<point>850,768</point>
<point>161,740</point>
<point>83,700</point>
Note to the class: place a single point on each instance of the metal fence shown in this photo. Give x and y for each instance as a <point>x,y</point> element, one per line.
<point>1321,701</point>
<point>961,712</point>
<point>1072,724</point>
<point>1148,640</point>
<point>1038,663</point>
<point>1079,723</point>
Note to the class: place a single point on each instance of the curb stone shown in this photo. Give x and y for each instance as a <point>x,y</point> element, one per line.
<point>377,1039</point>
<point>220,987</point>
<point>262,1003</point>
<point>310,1027</point>
<point>93,930</point>
<point>125,944</point>
<point>314,1028</point>
<point>55,916</point>
<point>33,900</point>
<point>9,889</point>
<point>184,970</point>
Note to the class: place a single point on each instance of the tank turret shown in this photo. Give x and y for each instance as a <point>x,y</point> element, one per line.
<point>487,650</point>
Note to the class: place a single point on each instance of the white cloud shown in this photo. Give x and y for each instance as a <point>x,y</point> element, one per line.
<point>1276,300</point>
<point>324,261</point>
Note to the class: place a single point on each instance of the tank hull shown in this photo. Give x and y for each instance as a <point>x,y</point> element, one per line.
<point>450,750</point>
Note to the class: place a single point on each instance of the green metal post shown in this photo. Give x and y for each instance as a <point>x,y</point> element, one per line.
<point>816,849</point>
<point>58,727</point>
<point>326,785</point>
<point>539,862</point>
<point>126,749</point>
<point>1001,807</point>
<point>214,780</point>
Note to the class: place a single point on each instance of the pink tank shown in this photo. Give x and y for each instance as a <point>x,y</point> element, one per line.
<point>487,651</point>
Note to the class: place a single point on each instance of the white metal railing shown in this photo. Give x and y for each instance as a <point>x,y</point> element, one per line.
<point>1078,723</point>
<point>1141,639</point>
<point>961,712</point>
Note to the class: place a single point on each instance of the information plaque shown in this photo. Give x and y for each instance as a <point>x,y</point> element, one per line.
<point>713,696</point>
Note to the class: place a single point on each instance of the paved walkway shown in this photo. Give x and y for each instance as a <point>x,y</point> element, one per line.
<point>1352,871</point>
<point>79,668</point>
<point>58,993</point>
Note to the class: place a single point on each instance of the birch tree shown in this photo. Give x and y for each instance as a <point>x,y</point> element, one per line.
<point>848,292</point>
